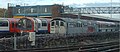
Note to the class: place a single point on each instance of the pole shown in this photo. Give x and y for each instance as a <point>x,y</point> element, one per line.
<point>37,11</point>
<point>4,13</point>
<point>14,41</point>
<point>111,8</point>
<point>24,10</point>
<point>79,14</point>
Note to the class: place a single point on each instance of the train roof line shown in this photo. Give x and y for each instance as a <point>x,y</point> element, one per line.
<point>101,17</point>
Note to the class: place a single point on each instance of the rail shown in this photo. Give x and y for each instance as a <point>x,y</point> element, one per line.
<point>105,46</point>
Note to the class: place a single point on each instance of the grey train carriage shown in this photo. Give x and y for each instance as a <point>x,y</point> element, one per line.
<point>71,26</point>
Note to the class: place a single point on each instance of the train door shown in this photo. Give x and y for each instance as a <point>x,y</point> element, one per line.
<point>52,27</point>
<point>57,27</point>
<point>12,26</point>
<point>62,28</point>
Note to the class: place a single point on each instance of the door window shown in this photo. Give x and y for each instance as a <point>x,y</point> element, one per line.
<point>61,24</point>
<point>57,23</point>
<point>12,24</point>
<point>52,23</point>
<point>38,25</point>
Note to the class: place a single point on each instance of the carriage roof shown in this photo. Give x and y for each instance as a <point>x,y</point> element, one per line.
<point>70,20</point>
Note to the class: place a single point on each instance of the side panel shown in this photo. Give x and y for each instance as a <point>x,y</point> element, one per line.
<point>48,27</point>
<point>43,26</point>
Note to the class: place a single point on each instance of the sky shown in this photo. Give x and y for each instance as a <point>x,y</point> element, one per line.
<point>72,3</point>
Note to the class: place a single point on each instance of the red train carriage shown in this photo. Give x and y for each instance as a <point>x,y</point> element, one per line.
<point>8,26</point>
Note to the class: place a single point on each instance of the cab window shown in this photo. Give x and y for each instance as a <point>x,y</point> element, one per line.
<point>44,23</point>
<point>29,25</point>
<point>3,23</point>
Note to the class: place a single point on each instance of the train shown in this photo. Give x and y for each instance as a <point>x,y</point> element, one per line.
<point>59,25</point>
<point>65,25</point>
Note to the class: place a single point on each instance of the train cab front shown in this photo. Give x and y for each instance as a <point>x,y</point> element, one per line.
<point>25,25</point>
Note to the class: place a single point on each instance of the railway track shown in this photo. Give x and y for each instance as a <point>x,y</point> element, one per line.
<point>67,43</point>
<point>101,47</point>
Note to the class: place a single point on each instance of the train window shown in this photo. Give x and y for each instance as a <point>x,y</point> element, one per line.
<point>94,24</point>
<point>57,23</point>
<point>113,25</point>
<point>61,24</point>
<point>102,25</point>
<point>89,23</point>
<point>39,25</point>
<point>111,30</point>
<point>75,24</point>
<point>106,30</point>
<point>52,24</point>
<point>3,23</point>
<point>0,23</point>
<point>44,23</point>
<point>28,25</point>
<point>108,25</point>
<point>117,25</point>
<point>71,24</point>
<point>81,25</point>
<point>85,24</point>
<point>78,24</point>
<point>18,25</point>
<point>12,24</point>
<point>99,30</point>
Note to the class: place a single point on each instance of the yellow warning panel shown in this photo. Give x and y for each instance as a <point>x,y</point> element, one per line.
<point>18,16</point>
